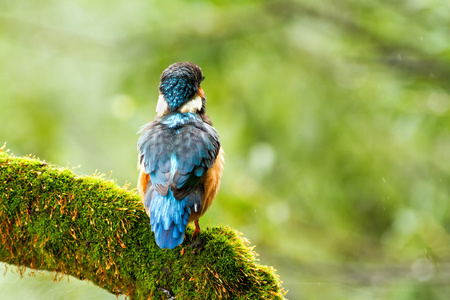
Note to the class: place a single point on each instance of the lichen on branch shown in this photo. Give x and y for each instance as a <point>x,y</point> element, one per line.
<point>87,227</point>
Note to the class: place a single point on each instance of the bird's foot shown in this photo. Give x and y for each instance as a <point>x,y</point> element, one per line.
<point>197,243</point>
<point>197,229</point>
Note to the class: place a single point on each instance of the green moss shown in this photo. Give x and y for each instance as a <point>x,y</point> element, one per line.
<point>88,227</point>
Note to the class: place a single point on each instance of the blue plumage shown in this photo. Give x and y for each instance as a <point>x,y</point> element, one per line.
<point>176,90</point>
<point>168,219</point>
<point>177,120</point>
<point>176,151</point>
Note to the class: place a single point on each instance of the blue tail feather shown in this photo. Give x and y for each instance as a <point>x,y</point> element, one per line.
<point>168,219</point>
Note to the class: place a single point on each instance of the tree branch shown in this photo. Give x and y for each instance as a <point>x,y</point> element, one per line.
<point>87,227</point>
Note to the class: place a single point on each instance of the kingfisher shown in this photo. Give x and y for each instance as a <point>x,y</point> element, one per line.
<point>180,156</point>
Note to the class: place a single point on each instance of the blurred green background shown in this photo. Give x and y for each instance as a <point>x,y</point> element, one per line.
<point>334,116</point>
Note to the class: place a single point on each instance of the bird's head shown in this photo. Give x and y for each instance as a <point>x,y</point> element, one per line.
<point>180,89</point>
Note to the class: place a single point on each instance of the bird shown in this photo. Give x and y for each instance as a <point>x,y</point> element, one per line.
<point>180,156</point>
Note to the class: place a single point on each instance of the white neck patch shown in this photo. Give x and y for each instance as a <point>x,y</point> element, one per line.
<point>162,107</point>
<point>194,105</point>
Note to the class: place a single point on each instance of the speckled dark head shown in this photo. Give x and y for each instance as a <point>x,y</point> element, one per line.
<point>180,82</point>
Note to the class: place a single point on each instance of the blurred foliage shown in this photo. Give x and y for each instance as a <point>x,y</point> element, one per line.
<point>334,116</point>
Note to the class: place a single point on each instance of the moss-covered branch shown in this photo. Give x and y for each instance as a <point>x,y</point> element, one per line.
<point>85,226</point>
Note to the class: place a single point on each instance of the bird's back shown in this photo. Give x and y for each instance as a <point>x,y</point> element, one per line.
<point>176,151</point>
